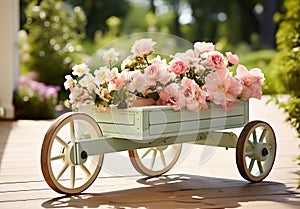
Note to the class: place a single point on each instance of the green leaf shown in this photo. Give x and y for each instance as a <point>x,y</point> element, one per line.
<point>99,100</point>
<point>153,95</point>
<point>122,105</point>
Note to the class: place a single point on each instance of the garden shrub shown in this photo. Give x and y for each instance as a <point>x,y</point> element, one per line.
<point>33,99</point>
<point>55,31</point>
<point>288,59</point>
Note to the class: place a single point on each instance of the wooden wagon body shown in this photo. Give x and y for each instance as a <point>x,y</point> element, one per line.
<point>152,122</point>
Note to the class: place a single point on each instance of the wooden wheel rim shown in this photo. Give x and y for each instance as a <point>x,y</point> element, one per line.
<point>168,156</point>
<point>256,133</point>
<point>47,148</point>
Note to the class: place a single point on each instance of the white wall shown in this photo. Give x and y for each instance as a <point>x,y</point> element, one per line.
<point>9,58</point>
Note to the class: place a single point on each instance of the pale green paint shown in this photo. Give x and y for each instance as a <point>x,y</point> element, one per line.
<point>154,126</point>
<point>111,144</point>
<point>153,122</point>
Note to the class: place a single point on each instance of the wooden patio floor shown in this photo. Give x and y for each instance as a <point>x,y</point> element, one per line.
<point>205,177</point>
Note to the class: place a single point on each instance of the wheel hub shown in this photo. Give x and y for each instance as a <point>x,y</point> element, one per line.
<point>264,152</point>
<point>260,152</point>
<point>74,155</point>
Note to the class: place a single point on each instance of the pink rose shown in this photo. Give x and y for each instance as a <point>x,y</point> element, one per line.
<point>136,82</point>
<point>143,47</point>
<point>119,82</point>
<point>214,60</point>
<point>222,88</point>
<point>202,47</point>
<point>192,96</point>
<point>252,82</point>
<point>178,67</point>
<point>169,96</point>
<point>164,97</point>
<point>188,57</point>
<point>232,58</point>
<point>190,88</point>
<point>157,72</point>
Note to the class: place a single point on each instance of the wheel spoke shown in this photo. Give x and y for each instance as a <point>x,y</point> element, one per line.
<point>159,159</point>
<point>254,136</point>
<point>153,158</point>
<point>262,136</point>
<point>260,167</point>
<point>146,153</point>
<point>58,157</point>
<point>251,165</point>
<point>72,129</point>
<point>252,144</point>
<point>61,172</point>
<point>163,158</point>
<point>62,142</point>
<point>72,176</point>
<point>85,170</point>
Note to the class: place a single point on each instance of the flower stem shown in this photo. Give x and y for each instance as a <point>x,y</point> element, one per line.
<point>145,57</point>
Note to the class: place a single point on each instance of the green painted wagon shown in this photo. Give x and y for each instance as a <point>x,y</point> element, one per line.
<point>74,146</point>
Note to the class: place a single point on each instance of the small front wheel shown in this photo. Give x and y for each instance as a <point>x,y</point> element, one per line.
<point>255,151</point>
<point>155,161</point>
<point>59,172</point>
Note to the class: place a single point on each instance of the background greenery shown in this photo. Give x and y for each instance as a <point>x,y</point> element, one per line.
<point>287,60</point>
<point>61,33</point>
<point>55,34</point>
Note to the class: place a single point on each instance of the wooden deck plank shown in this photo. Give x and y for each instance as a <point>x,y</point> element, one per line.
<point>205,177</point>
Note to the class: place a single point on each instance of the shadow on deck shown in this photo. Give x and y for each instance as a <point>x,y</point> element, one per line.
<point>182,191</point>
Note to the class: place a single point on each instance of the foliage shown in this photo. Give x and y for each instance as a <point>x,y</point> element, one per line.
<point>55,31</point>
<point>34,100</point>
<point>97,13</point>
<point>101,39</point>
<point>288,41</point>
<point>287,60</point>
<point>192,19</point>
<point>47,49</point>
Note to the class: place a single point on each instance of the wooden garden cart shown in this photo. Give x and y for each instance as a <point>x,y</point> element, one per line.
<point>74,146</point>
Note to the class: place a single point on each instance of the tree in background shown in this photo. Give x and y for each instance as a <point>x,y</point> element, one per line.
<point>55,32</point>
<point>288,59</point>
<point>249,21</point>
<point>267,25</point>
<point>97,12</point>
<point>239,21</point>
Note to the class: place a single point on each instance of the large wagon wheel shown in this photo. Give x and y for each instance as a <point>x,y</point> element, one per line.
<point>58,170</point>
<point>256,150</point>
<point>155,161</point>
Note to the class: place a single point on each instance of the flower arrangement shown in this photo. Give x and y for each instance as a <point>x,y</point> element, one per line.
<point>33,99</point>
<point>188,80</point>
